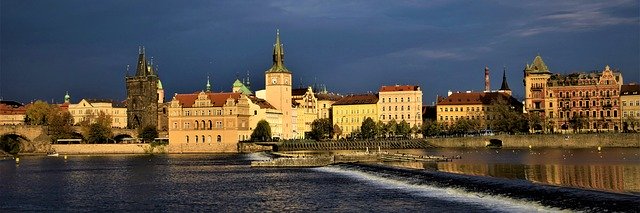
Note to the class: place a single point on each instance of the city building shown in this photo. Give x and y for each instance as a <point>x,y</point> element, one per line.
<point>581,101</point>
<point>12,113</point>
<point>471,106</point>
<point>325,101</point>
<point>208,122</point>
<point>87,110</point>
<point>350,111</point>
<point>630,98</point>
<point>400,102</point>
<point>143,94</point>
<point>263,110</point>
<point>278,81</point>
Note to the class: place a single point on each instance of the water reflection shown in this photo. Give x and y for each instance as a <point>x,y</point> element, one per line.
<point>614,170</point>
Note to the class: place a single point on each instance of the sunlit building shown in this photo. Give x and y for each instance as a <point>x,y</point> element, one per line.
<point>630,98</point>
<point>350,111</point>
<point>585,101</point>
<point>208,122</point>
<point>400,102</point>
<point>12,113</point>
<point>87,110</point>
<point>475,106</point>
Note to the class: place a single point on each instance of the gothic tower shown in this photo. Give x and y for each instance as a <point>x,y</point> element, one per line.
<point>142,94</point>
<point>535,80</point>
<point>278,88</point>
<point>505,86</point>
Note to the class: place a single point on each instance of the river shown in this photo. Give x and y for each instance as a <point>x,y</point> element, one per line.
<point>482,180</point>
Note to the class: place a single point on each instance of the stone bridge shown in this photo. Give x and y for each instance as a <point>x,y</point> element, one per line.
<point>37,133</point>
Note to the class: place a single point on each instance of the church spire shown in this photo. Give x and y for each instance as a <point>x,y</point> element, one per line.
<point>208,87</point>
<point>278,56</point>
<point>141,69</point>
<point>504,86</point>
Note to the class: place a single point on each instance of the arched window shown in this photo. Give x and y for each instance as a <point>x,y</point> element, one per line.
<point>210,125</point>
<point>204,126</point>
<point>219,140</point>
<point>196,139</point>
<point>196,127</point>
<point>187,138</point>
<point>208,138</point>
<point>202,138</point>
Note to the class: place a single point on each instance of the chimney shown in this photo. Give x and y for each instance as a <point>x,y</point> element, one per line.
<point>487,85</point>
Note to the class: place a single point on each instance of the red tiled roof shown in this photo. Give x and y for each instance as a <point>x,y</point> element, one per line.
<point>397,88</point>
<point>12,108</point>
<point>485,98</point>
<point>217,99</point>
<point>630,89</point>
<point>358,99</point>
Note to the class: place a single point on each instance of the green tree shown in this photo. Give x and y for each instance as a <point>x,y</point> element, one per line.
<point>431,128</point>
<point>392,128</point>
<point>98,133</point>
<point>262,132</point>
<point>321,129</point>
<point>383,131</point>
<point>368,129</point>
<point>147,134</point>
<point>38,113</point>
<point>403,129</point>
<point>504,117</point>
<point>60,125</point>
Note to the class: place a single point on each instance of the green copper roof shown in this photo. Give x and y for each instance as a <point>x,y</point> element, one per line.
<point>237,83</point>
<point>160,84</point>
<point>278,56</point>
<point>241,87</point>
<point>538,65</point>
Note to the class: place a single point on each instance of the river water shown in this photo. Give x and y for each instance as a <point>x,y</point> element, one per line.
<point>482,180</point>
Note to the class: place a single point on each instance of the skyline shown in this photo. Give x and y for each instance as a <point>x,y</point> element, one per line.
<point>55,48</point>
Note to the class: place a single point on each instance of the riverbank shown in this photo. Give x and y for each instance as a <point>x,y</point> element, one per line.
<point>608,140</point>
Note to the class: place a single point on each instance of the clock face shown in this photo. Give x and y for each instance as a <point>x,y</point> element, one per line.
<point>274,80</point>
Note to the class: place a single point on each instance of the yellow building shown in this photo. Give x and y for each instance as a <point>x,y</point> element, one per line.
<point>401,102</point>
<point>325,101</point>
<point>471,106</point>
<point>630,98</point>
<point>278,88</point>
<point>12,113</point>
<point>208,122</point>
<point>88,110</point>
<point>350,111</point>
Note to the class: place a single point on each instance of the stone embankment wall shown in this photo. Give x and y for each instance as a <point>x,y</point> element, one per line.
<point>77,149</point>
<point>547,141</point>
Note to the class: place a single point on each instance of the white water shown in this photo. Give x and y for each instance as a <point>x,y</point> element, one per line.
<point>257,156</point>
<point>499,203</point>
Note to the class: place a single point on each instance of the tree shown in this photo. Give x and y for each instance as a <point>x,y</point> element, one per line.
<point>383,131</point>
<point>431,128</point>
<point>368,128</point>
<point>630,123</point>
<point>147,134</point>
<point>535,122</point>
<point>97,129</point>
<point>577,123</point>
<point>391,127</point>
<point>321,129</point>
<point>60,125</point>
<point>262,132</point>
<point>403,129</point>
<point>337,132</point>
<point>10,143</point>
<point>38,113</point>
<point>503,117</point>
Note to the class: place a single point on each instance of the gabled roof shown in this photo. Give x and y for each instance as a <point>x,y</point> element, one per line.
<point>397,88</point>
<point>629,89</point>
<point>538,65</point>
<point>263,104</point>
<point>217,99</point>
<point>358,99</point>
<point>471,98</point>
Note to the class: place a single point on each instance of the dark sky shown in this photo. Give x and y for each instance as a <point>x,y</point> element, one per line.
<point>84,46</point>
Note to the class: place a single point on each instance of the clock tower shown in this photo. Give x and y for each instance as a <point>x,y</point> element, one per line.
<point>278,88</point>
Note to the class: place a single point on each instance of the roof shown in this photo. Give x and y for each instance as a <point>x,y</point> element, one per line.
<point>217,99</point>
<point>397,88</point>
<point>328,96</point>
<point>538,65</point>
<point>11,103</point>
<point>109,101</point>
<point>263,104</point>
<point>12,108</point>
<point>630,89</point>
<point>484,98</point>
<point>299,91</point>
<point>358,99</point>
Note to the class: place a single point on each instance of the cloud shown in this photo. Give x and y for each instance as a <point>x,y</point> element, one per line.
<point>455,54</point>
<point>564,16</point>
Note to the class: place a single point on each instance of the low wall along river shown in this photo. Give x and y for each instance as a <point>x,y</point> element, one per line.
<point>547,141</point>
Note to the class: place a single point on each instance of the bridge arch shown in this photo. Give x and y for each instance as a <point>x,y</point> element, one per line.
<point>12,143</point>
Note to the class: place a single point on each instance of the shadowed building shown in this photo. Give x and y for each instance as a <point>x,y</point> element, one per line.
<point>630,98</point>
<point>12,113</point>
<point>471,106</point>
<point>142,94</point>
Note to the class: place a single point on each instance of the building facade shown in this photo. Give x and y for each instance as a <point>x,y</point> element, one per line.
<point>12,113</point>
<point>474,106</point>
<point>630,98</point>
<point>208,122</point>
<point>87,110</point>
<point>278,81</point>
<point>262,110</point>
<point>142,94</point>
<point>580,101</point>
<point>400,102</point>
<point>350,111</point>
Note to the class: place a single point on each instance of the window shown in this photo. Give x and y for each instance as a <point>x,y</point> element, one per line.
<point>187,139</point>
<point>196,140</point>
<point>209,139</point>
<point>219,140</point>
